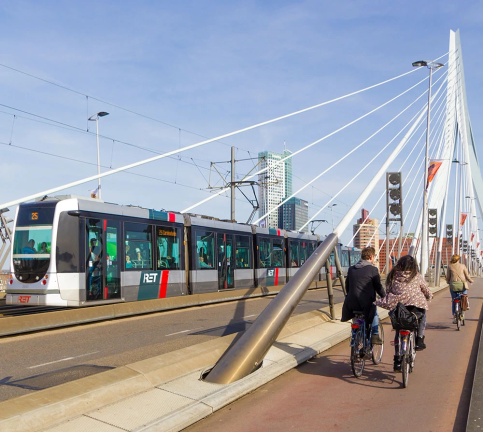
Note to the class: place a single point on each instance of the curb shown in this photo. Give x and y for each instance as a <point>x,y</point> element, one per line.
<point>165,392</point>
<point>64,318</point>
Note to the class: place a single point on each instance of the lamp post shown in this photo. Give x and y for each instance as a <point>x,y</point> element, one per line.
<point>95,118</point>
<point>332,214</point>
<point>424,240</point>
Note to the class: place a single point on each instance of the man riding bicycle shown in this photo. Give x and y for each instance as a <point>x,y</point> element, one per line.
<point>362,284</point>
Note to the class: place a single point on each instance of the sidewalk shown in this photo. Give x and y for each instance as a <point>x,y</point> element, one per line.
<point>322,394</point>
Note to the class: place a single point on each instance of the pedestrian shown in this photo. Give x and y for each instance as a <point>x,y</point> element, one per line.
<point>362,283</point>
<point>457,277</point>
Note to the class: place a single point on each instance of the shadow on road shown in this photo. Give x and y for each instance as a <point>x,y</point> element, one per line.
<point>51,379</point>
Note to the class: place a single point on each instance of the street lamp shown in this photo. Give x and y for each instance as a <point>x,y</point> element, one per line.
<point>332,214</point>
<point>424,241</point>
<point>95,118</point>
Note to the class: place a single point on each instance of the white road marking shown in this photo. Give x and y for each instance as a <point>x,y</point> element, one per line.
<point>248,316</point>
<point>61,360</point>
<point>184,331</point>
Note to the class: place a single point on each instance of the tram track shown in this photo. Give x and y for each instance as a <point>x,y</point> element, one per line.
<point>15,310</point>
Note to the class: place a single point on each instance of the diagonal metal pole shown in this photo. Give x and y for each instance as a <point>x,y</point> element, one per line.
<point>340,273</point>
<point>247,353</point>
<point>330,291</point>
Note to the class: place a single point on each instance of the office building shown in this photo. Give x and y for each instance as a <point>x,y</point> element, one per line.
<point>366,232</point>
<point>294,214</point>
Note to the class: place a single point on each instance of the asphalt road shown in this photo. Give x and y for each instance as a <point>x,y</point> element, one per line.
<point>37,361</point>
<point>322,394</point>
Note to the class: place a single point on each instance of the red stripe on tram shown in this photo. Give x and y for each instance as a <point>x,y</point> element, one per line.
<point>105,224</point>
<point>163,286</point>
<point>105,292</point>
<point>278,232</point>
<point>171,217</point>
<point>276,276</point>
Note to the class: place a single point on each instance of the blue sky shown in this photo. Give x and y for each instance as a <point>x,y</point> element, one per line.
<point>211,67</point>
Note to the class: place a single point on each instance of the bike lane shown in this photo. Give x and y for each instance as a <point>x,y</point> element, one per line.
<point>322,394</point>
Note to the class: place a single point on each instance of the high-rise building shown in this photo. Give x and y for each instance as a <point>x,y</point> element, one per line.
<point>294,214</point>
<point>273,184</point>
<point>366,232</point>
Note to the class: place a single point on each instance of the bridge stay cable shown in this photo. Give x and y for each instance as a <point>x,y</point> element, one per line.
<point>179,150</point>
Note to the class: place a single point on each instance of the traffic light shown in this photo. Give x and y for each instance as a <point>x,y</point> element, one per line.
<point>433,222</point>
<point>394,196</point>
<point>449,234</point>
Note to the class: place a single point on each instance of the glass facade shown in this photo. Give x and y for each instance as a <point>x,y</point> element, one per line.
<point>294,214</point>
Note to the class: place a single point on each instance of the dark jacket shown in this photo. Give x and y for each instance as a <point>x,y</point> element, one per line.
<point>362,283</point>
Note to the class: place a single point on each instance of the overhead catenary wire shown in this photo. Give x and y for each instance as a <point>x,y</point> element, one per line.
<point>132,111</point>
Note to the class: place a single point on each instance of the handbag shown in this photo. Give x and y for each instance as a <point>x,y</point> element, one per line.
<point>403,319</point>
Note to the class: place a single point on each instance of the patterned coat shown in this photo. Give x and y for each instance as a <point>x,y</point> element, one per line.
<point>412,293</point>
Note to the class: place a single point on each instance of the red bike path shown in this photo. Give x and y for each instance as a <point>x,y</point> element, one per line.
<point>322,394</point>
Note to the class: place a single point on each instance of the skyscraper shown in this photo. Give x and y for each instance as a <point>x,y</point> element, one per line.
<point>365,230</point>
<point>272,184</point>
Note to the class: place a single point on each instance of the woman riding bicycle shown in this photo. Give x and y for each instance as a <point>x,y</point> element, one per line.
<point>405,284</point>
<point>457,276</point>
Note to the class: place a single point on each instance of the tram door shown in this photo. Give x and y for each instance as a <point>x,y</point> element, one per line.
<point>102,262</point>
<point>226,270</point>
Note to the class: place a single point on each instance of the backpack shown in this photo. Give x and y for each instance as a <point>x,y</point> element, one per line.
<point>402,319</point>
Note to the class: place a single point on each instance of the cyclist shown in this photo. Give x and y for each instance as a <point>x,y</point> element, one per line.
<point>405,284</point>
<point>362,283</point>
<point>457,276</point>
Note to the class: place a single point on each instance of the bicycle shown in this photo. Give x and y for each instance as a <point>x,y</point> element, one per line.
<point>459,313</point>
<point>407,350</point>
<point>362,348</point>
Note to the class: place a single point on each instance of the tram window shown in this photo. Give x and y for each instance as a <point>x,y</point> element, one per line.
<point>332,259</point>
<point>264,248</point>
<point>311,246</point>
<point>355,257</point>
<point>242,253</point>
<point>138,253</point>
<point>278,253</point>
<point>167,242</point>
<point>344,258</point>
<point>205,250</point>
<point>68,247</point>
<point>294,253</point>
<point>303,252</point>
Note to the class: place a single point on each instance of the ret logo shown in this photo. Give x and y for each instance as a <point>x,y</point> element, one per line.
<point>149,277</point>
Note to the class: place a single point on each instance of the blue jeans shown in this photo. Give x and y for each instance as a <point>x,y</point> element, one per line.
<point>375,324</point>
<point>453,296</point>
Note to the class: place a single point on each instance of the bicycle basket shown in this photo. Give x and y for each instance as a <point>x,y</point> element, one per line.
<point>402,319</point>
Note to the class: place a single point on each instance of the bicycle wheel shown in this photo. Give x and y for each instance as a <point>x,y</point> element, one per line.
<point>377,350</point>
<point>405,370</point>
<point>457,310</point>
<point>357,363</point>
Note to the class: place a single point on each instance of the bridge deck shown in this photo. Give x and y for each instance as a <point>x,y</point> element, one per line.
<point>322,394</point>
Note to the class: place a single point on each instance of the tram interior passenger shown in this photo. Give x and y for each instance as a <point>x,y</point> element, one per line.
<point>205,248</point>
<point>242,253</point>
<point>138,239</point>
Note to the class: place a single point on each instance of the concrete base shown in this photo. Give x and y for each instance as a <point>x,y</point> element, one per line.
<point>165,393</point>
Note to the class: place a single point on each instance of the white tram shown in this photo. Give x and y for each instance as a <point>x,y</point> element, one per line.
<point>72,251</point>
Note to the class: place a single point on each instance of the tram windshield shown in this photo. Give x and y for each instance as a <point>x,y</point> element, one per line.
<point>32,242</point>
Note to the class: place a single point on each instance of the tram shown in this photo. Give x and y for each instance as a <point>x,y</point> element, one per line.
<point>76,251</point>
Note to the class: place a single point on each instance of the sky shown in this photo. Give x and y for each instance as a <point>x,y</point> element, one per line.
<point>197,69</point>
